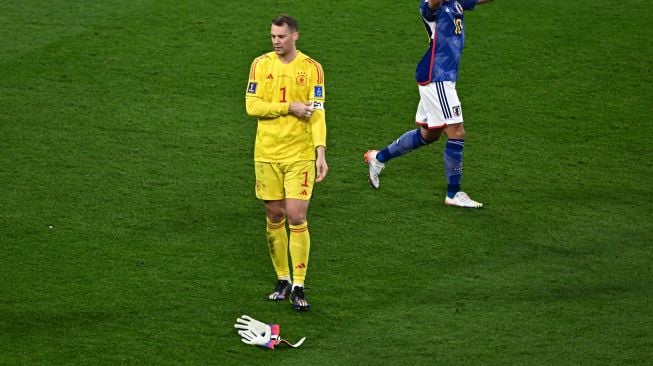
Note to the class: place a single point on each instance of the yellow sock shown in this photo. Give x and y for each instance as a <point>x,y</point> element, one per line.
<point>278,246</point>
<point>300,245</point>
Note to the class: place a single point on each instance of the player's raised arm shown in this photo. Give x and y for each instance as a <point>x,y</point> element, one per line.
<point>256,107</point>
<point>257,102</point>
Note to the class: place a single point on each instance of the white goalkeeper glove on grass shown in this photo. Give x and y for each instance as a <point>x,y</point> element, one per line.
<point>256,333</point>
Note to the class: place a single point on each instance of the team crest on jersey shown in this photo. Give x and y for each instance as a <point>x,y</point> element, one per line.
<point>318,91</point>
<point>456,111</point>
<point>301,78</point>
<point>251,88</point>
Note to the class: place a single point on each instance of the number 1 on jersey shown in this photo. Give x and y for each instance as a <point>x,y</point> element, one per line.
<point>283,95</point>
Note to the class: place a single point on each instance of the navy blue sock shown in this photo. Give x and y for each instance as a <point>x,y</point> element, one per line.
<point>453,165</point>
<point>406,143</point>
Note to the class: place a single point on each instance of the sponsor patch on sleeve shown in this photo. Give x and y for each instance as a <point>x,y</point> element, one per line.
<point>318,105</point>
<point>318,91</point>
<point>251,87</point>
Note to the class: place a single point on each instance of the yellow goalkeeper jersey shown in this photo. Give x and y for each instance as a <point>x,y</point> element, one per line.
<point>272,86</point>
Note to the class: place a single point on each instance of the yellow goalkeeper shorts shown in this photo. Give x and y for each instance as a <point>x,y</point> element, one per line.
<point>277,181</point>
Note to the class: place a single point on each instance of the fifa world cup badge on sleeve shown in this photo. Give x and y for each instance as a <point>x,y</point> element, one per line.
<point>318,91</point>
<point>251,88</point>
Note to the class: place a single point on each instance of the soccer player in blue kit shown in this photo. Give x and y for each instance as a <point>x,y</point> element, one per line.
<point>439,109</point>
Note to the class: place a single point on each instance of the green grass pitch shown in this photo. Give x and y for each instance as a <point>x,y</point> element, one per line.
<point>130,233</point>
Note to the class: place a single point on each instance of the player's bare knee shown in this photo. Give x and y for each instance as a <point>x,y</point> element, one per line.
<point>455,131</point>
<point>297,219</point>
<point>430,135</point>
<point>274,211</point>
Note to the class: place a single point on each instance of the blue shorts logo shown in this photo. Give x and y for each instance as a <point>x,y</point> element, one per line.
<point>317,91</point>
<point>251,88</point>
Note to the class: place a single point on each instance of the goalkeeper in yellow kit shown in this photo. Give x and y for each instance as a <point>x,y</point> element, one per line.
<point>286,93</point>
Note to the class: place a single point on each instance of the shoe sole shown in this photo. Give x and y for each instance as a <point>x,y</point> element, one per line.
<point>455,205</point>
<point>366,157</point>
<point>369,180</point>
<point>299,308</point>
<point>278,298</point>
